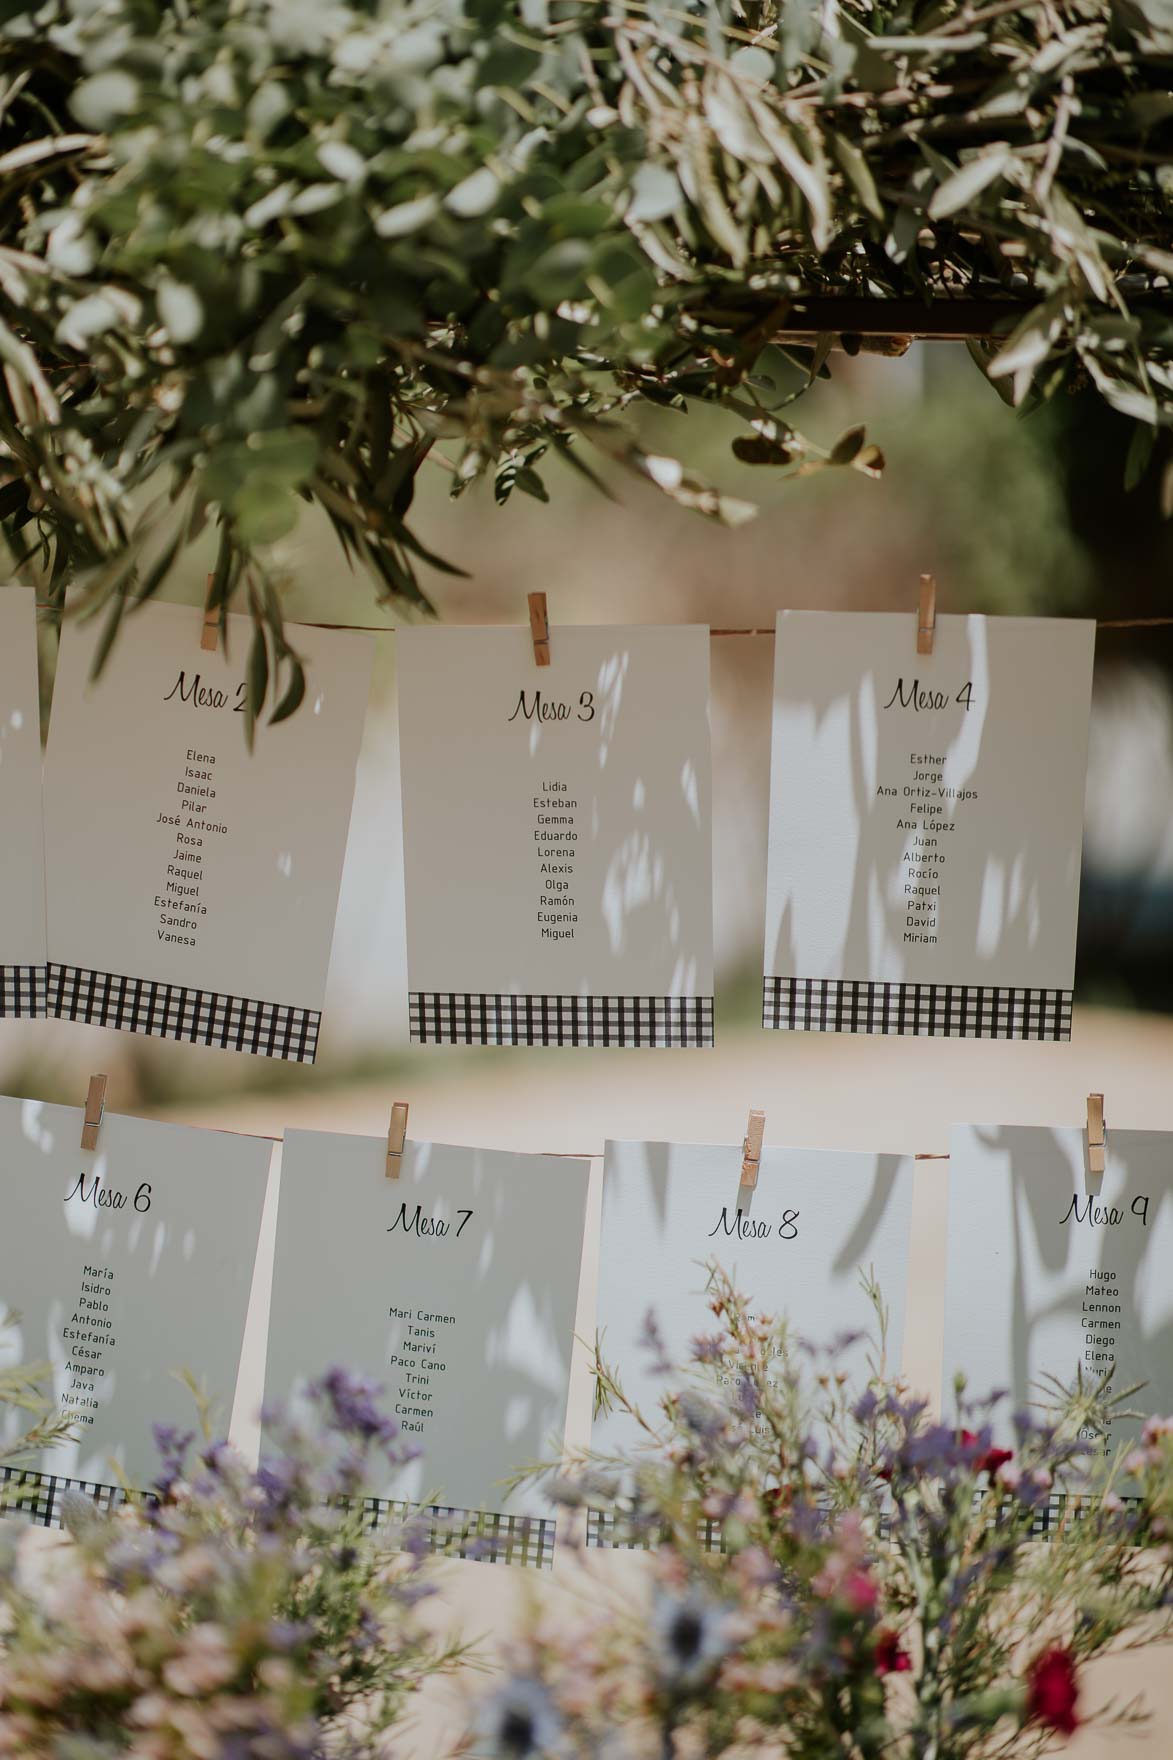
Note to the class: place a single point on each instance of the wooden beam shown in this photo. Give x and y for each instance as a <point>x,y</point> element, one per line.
<point>941,320</point>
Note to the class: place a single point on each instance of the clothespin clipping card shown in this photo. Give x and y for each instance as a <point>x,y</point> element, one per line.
<point>1095,1133</point>
<point>95,1109</point>
<point>539,624</point>
<point>926,623</point>
<point>751,1150</point>
<point>396,1138</point>
<point>210,634</point>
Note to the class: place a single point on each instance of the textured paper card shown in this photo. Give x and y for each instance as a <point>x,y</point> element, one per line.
<point>22,868</point>
<point>926,819</point>
<point>795,1250</point>
<point>125,1265</point>
<point>454,1287</point>
<point>557,836</point>
<point>1053,1269</point>
<point>192,886</point>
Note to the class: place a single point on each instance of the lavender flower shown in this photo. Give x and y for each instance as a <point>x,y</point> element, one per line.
<point>352,1404</point>
<point>172,1445</point>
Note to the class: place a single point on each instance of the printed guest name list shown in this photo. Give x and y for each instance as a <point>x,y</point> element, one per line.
<point>110,1255</point>
<point>199,902</point>
<point>926,819</point>
<point>556,836</point>
<point>454,1287</point>
<point>1071,1273</point>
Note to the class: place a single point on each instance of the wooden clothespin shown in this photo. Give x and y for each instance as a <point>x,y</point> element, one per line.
<point>539,624</point>
<point>94,1113</point>
<point>926,623</point>
<point>396,1138</point>
<point>1095,1133</point>
<point>751,1150</point>
<point>210,634</point>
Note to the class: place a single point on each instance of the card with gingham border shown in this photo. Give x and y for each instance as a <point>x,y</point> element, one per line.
<point>123,1267</point>
<point>453,1288</point>
<point>42,1500</point>
<point>926,823</point>
<point>1072,1276</point>
<point>193,884</point>
<point>22,868</point>
<point>557,837</point>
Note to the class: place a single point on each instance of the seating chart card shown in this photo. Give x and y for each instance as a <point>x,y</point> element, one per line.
<point>926,817</point>
<point>125,1266</point>
<point>557,836</point>
<point>192,886</point>
<point>797,1246</point>
<point>1052,1269</point>
<point>454,1288</point>
<point>22,869</point>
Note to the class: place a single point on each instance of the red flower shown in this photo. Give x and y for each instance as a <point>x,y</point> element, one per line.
<point>859,1591</point>
<point>1052,1691</point>
<point>993,1459</point>
<point>890,1658</point>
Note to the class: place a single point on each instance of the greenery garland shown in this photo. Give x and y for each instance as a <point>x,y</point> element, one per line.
<point>253,251</point>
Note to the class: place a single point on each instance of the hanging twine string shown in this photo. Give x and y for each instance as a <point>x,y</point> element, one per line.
<point>389,629</point>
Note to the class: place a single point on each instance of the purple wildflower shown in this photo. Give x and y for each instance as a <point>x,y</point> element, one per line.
<point>172,1445</point>
<point>352,1405</point>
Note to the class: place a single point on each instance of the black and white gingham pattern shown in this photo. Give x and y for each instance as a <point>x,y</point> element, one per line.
<point>452,1533</point>
<point>961,1011</point>
<point>605,1531</point>
<point>452,1018</point>
<point>36,1497</point>
<point>171,1011</point>
<point>22,992</point>
<point>1052,1514</point>
<point>478,1535</point>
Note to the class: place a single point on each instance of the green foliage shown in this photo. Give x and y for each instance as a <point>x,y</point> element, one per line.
<point>260,252</point>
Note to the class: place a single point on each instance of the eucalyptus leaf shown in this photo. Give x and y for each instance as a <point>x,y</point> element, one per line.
<point>261,255</point>
<point>961,188</point>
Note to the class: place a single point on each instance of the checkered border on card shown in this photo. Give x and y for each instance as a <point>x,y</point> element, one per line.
<point>480,1536</point>
<point>660,1022</point>
<point>950,1011</point>
<point>1059,1509</point>
<point>172,1011</point>
<point>476,1535</point>
<point>37,1497</point>
<point>22,992</point>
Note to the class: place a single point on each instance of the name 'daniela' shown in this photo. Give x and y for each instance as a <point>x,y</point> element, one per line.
<point>750,1228</point>
<point>92,1191</point>
<point>1104,1215</point>
<point>435,1227</point>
